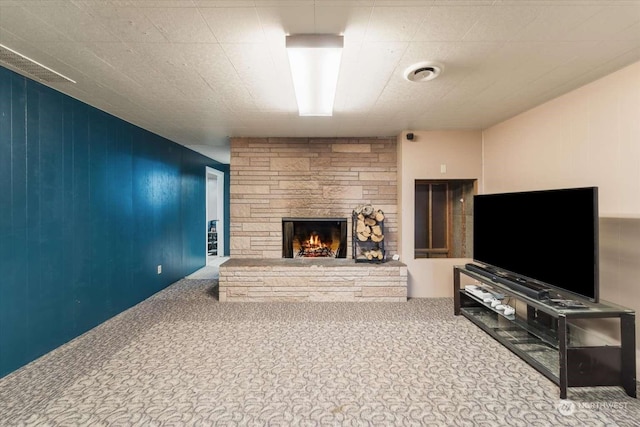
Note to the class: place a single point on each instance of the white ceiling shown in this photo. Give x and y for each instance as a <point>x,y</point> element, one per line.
<point>200,71</point>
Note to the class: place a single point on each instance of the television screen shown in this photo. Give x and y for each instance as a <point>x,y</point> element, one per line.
<point>547,237</point>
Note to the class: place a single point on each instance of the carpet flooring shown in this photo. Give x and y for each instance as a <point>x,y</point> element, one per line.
<point>180,358</point>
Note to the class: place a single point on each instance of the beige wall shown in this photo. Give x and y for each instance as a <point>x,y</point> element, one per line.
<point>421,158</point>
<point>590,136</point>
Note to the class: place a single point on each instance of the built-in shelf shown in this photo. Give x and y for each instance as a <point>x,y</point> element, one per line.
<point>212,238</point>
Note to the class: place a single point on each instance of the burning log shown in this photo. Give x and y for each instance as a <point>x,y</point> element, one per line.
<point>324,252</point>
<point>313,247</point>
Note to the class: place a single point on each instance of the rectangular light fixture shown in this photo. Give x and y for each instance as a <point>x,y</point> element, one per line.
<point>315,63</point>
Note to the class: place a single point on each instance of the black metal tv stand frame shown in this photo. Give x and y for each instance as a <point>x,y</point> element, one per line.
<point>543,337</point>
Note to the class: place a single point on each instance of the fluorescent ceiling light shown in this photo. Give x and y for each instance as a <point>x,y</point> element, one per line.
<point>315,63</point>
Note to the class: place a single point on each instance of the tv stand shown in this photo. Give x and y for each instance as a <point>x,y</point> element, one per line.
<point>542,336</point>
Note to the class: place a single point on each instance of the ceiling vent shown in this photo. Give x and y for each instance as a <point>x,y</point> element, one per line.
<point>423,71</point>
<point>28,66</point>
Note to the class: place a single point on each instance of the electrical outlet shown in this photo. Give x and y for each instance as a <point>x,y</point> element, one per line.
<point>160,269</point>
<point>443,168</point>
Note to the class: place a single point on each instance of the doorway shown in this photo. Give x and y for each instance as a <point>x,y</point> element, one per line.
<point>215,226</point>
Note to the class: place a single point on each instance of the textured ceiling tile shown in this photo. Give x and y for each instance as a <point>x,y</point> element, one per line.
<point>78,25</point>
<point>284,3</point>
<point>424,51</point>
<point>128,23</point>
<point>159,65</point>
<point>607,24</point>
<point>577,69</point>
<point>154,3</point>
<point>34,3</point>
<point>181,25</point>
<point>469,86</point>
<point>502,23</point>
<point>586,60</point>
<point>345,3</point>
<point>224,3</point>
<point>630,33</point>
<point>256,70</point>
<point>234,25</point>
<point>555,21</point>
<point>366,77</point>
<point>91,67</point>
<point>293,19</point>
<point>465,55</point>
<point>395,23</point>
<point>237,97</point>
<point>207,59</point>
<point>356,23</point>
<point>200,99</point>
<point>341,20</point>
<point>519,62</point>
<point>627,58</point>
<point>23,23</point>
<point>393,98</point>
<point>121,57</point>
<point>214,67</point>
<point>477,2</point>
<point>79,55</point>
<point>449,23</point>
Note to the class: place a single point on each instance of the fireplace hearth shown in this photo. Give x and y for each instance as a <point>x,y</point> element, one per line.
<point>314,238</point>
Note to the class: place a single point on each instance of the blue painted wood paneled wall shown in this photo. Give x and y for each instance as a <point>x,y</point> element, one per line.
<point>90,205</point>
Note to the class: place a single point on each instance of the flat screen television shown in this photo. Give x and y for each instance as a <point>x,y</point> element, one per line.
<point>548,238</point>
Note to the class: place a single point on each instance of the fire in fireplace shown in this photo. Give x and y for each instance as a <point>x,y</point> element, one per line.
<point>314,238</point>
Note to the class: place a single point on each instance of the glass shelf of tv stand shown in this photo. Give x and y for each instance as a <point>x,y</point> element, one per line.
<point>515,322</point>
<point>521,341</point>
<point>600,309</point>
<point>536,344</point>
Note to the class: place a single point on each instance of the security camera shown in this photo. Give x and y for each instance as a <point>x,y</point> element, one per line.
<point>410,136</point>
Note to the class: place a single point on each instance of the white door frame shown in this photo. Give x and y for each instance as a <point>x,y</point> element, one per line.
<point>220,204</point>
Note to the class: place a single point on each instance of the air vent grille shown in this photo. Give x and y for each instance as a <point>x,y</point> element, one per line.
<point>423,71</point>
<point>31,67</point>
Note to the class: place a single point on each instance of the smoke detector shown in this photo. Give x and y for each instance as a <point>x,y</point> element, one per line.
<point>423,71</point>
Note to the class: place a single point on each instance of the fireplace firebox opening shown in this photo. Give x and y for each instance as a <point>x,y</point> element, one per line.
<point>314,237</point>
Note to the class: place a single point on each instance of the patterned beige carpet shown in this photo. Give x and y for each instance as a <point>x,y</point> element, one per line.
<point>182,358</point>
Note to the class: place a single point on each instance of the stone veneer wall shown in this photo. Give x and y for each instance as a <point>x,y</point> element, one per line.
<point>272,178</point>
<point>257,280</point>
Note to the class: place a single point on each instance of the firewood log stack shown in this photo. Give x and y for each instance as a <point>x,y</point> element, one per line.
<point>368,226</point>
<point>373,254</point>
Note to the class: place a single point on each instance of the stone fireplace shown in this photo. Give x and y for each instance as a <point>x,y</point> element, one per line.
<point>291,226</point>
<point>276,178</point>
<point>314,237</point>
